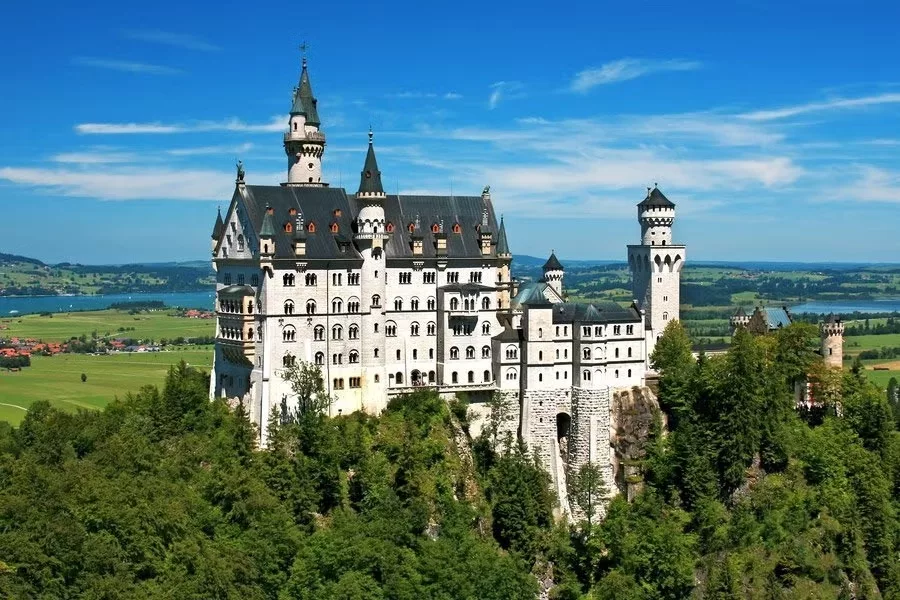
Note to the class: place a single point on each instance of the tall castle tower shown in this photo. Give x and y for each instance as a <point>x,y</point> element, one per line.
<point>553,274</point>
<point>304,144</point>
<point>370,239</point>
<point>832,332</point>
<point>656,265</point>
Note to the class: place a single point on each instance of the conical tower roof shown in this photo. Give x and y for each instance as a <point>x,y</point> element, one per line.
<point>502,244</point>
<point>304,102</point>
<point>218,227</point>
<point>370,178</point>
<point>656,198</point>
<point>553,263</point>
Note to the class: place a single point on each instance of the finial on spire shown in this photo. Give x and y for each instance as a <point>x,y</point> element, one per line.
<point>303,47</point>
<point>371,134</point>
<point>655,185</point>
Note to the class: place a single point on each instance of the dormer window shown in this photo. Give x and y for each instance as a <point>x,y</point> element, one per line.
<point>311,228</point>
<point>288,227</point>
<point>334,227</point>
<point>457,228</point>
<point>390,227</point>
<point>292,211</point>
<point>337,213</point>
<point>435,228</point>
<point>411,227</point>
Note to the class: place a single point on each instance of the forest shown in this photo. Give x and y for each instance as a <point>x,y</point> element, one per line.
<point>163,494</point>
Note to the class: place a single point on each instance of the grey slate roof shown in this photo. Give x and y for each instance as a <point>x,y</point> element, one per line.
<point>656,198</point>
<point>502,244</point>
<point>267,229</point>
<point>465,210</point>
<point>218,227</point>
<point>777,318</point>
<point>531,294</point>
<point>596,312</point>
<point>237,290</point>
<point>509,335</point>
<point>740,312</point>
<point>317,205</point>
<point>832,318</point>
<point>553,263</point>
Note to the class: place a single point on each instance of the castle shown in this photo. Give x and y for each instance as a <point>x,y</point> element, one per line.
<point>766,319</point>
<point>391,293</point>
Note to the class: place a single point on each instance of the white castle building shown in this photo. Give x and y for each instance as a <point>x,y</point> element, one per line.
<point>391,293</point>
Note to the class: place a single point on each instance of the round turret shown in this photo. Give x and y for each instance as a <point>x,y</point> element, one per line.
<point>304,144</point>
<point>656,213</point>
<point>832,333</point>
<point>553,273</point>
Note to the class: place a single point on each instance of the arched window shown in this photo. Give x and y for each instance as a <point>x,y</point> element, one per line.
<point>454,352</point>
<point>512,352</point>
<point>540,355</point>
<point>389,228</point>
<point>353,306</point>
<point>310,279</point>
<point>665,316</point>
<point>250,307</point>
<point>431,377</point>
<point>288,227</point>
<point>288,334</point>
<point>470,352</point>
<point>414,329</point>
<point>617,353</point>
<point>288,360</point>
<point>336,332</point>
<point>398,304</point>
<point>334,227</point>
<point>376,301</point>
<point>454,377</point>
<point>485,303</point>
<point>457,228</point>
<point>486,328</point>
<point>353,332</point>
<point>320,358</point>
<point>390,329</point>
<point>587,353</point>
<point>319,333</point>
<point>485,352</point>
<point>288,279</point>
<point>435,228</point>
<point>310,307</point>
<point>629,372</point>
<point>431,304</point>
<point>454,303</point>
<point>240,243</point>
<point>336,305</point>
<point>540,377</point>
<point>586,375</point>
<point>398,378</point>
<point>414,304</point>
<point>354,357</point>
<point>540,332</point>
<point>432,328</point>
<point>629,352</point>
<point>288,307</point>
<point>471,377</point>
<point>511,375</point>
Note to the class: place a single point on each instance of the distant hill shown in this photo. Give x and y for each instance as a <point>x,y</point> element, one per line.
<point>24,276</point>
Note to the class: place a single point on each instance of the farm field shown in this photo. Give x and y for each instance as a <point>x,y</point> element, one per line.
<point>147,325</point>
<point>57,379</point>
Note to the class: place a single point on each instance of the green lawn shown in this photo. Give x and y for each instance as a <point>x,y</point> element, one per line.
<point>147,325</point>
<point>853,345</point>
<point>57,379</point>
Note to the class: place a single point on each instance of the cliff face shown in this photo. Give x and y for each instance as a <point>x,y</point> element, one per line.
<point>631,421</point>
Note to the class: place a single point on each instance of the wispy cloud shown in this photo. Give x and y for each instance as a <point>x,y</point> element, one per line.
<point>168,38</point>
<point>94,158</point>
<point>206,150</point>
<point>834,104</point>
<point>871,184</point>
<point>125,66</point>
<point>409,95</point>
<point>276,124</point>
<point>503,89</point>
<point>133,182</point>
<point>625,69</point>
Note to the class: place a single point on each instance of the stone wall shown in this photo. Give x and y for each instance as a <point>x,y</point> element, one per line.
<point>630,425</point>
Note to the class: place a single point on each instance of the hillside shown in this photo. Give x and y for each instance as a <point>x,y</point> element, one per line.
<point>23,276</point>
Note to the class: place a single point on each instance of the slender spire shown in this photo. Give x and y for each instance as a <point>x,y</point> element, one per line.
<point>370,178</point>
<point>304,101</point>
<point>219,226</point>
<point>502,244</point>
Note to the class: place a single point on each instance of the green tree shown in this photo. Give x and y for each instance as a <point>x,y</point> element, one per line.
<point>308,387</point>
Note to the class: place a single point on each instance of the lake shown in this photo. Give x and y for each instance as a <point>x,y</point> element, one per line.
<point>38,304</point>
<point>848,306</point>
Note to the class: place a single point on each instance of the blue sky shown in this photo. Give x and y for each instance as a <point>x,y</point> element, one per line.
<point>774,126</point>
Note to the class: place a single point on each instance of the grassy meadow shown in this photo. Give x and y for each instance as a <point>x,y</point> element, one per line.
<point>154,325</point>
<point>57,379</point>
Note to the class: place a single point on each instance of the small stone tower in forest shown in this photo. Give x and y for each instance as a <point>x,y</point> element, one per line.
<point>832,332</point>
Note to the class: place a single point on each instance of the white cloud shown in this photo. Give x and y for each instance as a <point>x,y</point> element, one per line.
<point>277,124</point>
<point>168,38</point>
<point>625,69</point>
<point>835,104</point>
<point>872,184</point>
<point>204,150</point>
<point>125,65</point>
<point>93,158</point>
<point>501,90</point>
<point>133,182</point>
<point>424,95</point>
